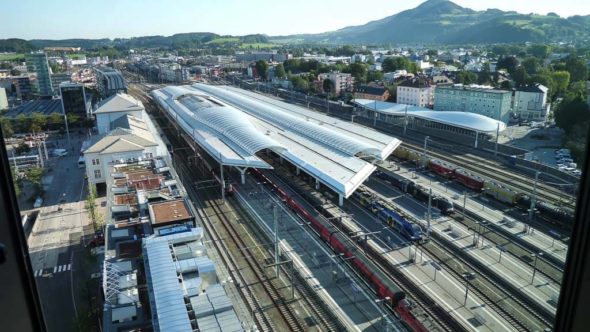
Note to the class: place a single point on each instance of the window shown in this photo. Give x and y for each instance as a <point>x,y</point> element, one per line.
<point>97,174</point>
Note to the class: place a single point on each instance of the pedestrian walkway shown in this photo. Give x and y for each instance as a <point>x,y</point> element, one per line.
<point>54,270</point>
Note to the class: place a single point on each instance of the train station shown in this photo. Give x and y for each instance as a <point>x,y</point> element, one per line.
<point>235,126</point>
<point>449,125</point>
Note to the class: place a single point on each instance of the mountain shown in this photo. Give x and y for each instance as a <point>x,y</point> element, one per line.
<point>442,21</point>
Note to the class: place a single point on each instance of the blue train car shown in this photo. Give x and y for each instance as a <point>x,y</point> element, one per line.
<point>400,224</point>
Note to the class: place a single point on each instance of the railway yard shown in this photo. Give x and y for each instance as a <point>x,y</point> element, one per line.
<point>429,241</point>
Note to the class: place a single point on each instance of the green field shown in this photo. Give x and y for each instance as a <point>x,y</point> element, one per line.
<point>258,45</point>
<point>224,40</point>
<point>76,56</point>
<point>10,57</point>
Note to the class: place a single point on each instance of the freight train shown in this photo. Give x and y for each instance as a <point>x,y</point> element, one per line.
<point>395,219</point>
<point>335,239</point>
<point>443,204</point>
<point>563,217</point>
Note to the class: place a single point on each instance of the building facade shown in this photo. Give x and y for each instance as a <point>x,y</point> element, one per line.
<point>37,62</point>
<point>495,104</point>
<point>371,92</point>
<point>415,92</point>
<point>530,103</point>
<point>340,81</point>
<point>57,79</point>
<point>3,99</point>
<point>73,99</point>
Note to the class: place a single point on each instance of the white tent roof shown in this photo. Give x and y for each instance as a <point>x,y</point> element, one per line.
<point>234,124</point>
<point>470,121</point>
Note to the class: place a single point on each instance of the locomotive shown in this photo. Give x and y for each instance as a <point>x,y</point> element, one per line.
<point>443,204</point>
<point>561,216</point>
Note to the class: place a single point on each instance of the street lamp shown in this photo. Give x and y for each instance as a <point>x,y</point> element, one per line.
<point>537,255</point>
<point>467,276</point>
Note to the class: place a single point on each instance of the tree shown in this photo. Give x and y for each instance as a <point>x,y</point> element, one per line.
<point>577,68</point>
<point>374,75</point>
<point>509,63</point>
<point>90,205</point>
<point>396,63</point>
<point>299,84</point>
<point>22,123</point>
<point>262,69</point>
<point>73,119</point>
<point>358,71</point>
<point>328,86</point>
<point>55,119</point>
<point>561,80</point>
<point>15,72</point>
<point>520,76</point>
<point>539,50</point>
<point>483,77</point>
<point>280,71</point>
<point>571,110</point>
<point>532,65</point>
<point>38,122</point>
<point>466,77</point>
<point>6,127</point>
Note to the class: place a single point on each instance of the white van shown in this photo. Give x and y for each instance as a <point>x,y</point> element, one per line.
<point>60,152</point>
<point>81,162</point>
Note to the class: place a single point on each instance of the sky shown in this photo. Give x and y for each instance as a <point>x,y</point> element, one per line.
<point>61,19</point>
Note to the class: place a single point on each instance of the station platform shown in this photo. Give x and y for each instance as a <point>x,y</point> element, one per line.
<point>350,301</point>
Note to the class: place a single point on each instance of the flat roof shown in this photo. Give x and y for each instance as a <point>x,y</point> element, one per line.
<point>233,122</point>
<point>168,212</point>
<point>465,120</point>
<point>45,107</point>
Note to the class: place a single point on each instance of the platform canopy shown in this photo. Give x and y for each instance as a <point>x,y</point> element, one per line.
<point>465,120</point>
<point>227,120</point>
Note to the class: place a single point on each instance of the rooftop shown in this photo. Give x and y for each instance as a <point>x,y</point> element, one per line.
<point>472,87</point>
<point>465,120</point>
<point>45,107</point>
<point>169,212</point>
<point>233,125</point>
<point>372,90</point>
<point>120,102</point>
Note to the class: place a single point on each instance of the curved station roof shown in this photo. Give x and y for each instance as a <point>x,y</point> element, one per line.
<point>232,125</point>
<point>465,120</point>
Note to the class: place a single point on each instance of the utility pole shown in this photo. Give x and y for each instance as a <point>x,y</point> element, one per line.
<point>275,212</point>
<point>464,201</point>
<point>497,135</point>
<point>534,198</point>
<point>405,120</point>
<point>429,213</point>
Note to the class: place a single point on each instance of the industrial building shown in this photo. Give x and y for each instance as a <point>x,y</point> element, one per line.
<point>43,106</point>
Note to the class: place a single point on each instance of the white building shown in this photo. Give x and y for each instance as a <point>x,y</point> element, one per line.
<point>340,82</point>
<point>115,107</point>
<point>126,132</point>
<point>530,103</point>
<point>416,92</point>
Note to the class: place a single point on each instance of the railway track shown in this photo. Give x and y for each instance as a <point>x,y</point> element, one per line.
<point>507,300</point>
<point>326,318</point>
<point>493,171</point>
<point>423,300</point>
<point>222,230</point>
<point>547,265</point>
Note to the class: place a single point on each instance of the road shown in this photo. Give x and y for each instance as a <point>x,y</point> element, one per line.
<point>56,241</point>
